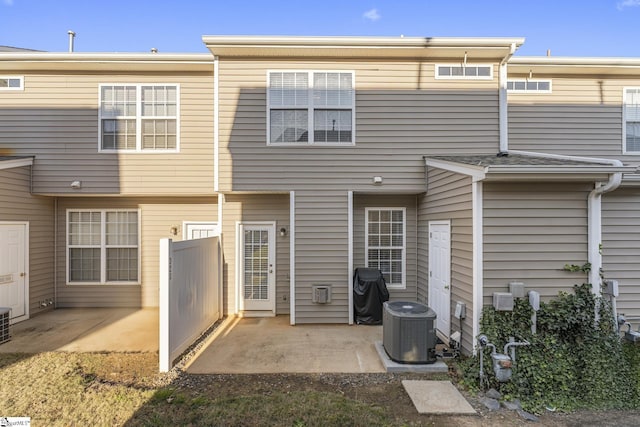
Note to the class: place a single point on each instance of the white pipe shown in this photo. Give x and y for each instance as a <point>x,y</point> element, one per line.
<point>503,105</point>
<point>72,35</point>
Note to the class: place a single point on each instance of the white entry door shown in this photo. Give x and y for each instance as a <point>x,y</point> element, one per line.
<point>257,269</point>
<point>440,274</point>
<point>199,230</point>
<point>13,283</point>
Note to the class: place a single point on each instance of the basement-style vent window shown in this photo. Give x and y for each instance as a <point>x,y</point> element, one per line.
<point>11,83</point>
<point>471,72</point>
<point>631,120</point>
<point>529,86</point>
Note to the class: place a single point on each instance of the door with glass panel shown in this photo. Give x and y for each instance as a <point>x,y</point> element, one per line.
<point>257,268</point>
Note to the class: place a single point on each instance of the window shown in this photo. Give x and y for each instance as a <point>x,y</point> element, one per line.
<point>139,118</point>
<point>300,101</point>
<point>11,83</point>
<point>471,72</point>
<point>385,243</point>
<point>631,125</point>
<point>103,246</point>
<point>529,86</point>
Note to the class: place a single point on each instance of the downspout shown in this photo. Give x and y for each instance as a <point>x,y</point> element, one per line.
<point>502,100</point>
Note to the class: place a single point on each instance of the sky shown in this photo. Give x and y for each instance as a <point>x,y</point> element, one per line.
<point>609,28</point>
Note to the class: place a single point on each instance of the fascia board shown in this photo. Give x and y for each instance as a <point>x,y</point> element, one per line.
<point>16,163</point>
<point>478,173</point>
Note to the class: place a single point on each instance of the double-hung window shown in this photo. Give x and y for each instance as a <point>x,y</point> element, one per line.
<point>103,246</point>
<point>631,118</point>
<point>385,243</point>
<point>310,107</point>
<point>139,118</point>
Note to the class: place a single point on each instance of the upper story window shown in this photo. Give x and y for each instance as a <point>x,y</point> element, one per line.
<point>310,107</point>
<point>631,120</point>
<point>11,83</point>
<point>529,86</point>
<point>139,118</point>
<point>470,72</point>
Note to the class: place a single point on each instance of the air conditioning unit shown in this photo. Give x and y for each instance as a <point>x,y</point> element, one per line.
<point>409,332</point>
<point>5,316</point>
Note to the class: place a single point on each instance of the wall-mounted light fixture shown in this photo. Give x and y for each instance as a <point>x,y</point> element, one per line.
<point>377,180</point>
<point>173,230</point>
<point>76,185</point>
<point>283,232</point>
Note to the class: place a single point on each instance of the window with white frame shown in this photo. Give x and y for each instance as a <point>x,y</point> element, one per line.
<point>139,118</point>
<point>631,125</point>
<point>461,71</point>
<point>11,83</point>
<point>103,246</point>
<point>529,86</point>
<point>385,243</point>
<point>310,107</point>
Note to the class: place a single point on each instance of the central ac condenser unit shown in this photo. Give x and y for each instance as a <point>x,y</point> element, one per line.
<point>408,332</point>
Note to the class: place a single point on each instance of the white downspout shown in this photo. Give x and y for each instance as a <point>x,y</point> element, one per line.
<point>503,106</point>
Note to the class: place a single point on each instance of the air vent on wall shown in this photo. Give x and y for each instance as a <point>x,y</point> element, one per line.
<point>5,315</point>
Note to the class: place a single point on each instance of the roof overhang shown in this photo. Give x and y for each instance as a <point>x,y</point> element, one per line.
<point>574,65</point>
<point>477,49</point>
<point>9,162</point>
<point>37,61</point>
<point>590,172</point>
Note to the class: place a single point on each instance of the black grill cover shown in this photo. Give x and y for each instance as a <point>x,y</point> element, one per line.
<point>369,292</point>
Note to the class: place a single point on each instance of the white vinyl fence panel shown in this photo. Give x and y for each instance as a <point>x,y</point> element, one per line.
<point>190,293</point>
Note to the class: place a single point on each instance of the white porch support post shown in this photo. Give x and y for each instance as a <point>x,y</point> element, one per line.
<point>292,257</point>
<point>478,273</point>
<point>165,279</point>
<point>221,283</point>
<point>350,251</point>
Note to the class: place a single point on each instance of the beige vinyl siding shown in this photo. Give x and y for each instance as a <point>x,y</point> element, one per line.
<point>321,233</point>
<point>56,119</point>
<point>582,116</point>
<point>17,204</point>
<point>449,198</point>
<point>256,208</point>
<point>621,248</point>
<point>531,230</point>
<point>157,216</point>
<point>362,201</point>
<point>401,114</point>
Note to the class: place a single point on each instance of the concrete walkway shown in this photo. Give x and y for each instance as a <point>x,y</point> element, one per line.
<point>86,330</point>
<point>272,345</point>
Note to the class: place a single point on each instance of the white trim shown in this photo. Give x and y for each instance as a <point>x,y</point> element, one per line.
<point>478,173</point>
<point>437,75</point>
<point>529,91</point>
<point>139,118</point>
<point>310,108</point>
<point>186,223</point>
<point>240,259</point>
<point>503,107</point>
<point>624,120</point>
<point>350,254</point>
<point>216,125</point>
<point>16,163</point>
<point>292,257</point>
<point>103,248</point>
<point>27,271</point>
<point>403,285</point>
<point>10,89</point>
<point>477,258</point>
<point>221,256</point>
<point>163,300</point>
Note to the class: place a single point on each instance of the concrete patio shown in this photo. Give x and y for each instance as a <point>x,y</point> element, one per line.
<point>86,330</point>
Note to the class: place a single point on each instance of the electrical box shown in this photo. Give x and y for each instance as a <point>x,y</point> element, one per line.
<point>321,294</point>
<point>461,310</point>
<point>612,287</point>
<point>516,289</point>
<point>534,300</point>
<point>503,301</point>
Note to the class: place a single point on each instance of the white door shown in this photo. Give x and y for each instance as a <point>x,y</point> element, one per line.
<point>13,283</point>
<point>199,230</point>
<point>257,269</point>
<point>440,274</point>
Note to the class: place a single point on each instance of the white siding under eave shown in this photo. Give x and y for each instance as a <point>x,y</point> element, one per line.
<point>621,247</point>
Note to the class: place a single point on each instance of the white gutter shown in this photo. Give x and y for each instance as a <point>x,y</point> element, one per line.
<point>503,106</point>
<point>216,122</point>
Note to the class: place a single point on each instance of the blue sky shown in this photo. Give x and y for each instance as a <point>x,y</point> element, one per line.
<point>567,27</point>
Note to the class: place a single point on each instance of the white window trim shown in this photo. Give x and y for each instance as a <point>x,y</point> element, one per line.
<point>530,91</point>
<point>21,87</point>
<point>138,118</point>
<point>624,121</point>
<point>310,108</point>
<point>103,249</point>
<point>439,77</point>
<point>403,285</point>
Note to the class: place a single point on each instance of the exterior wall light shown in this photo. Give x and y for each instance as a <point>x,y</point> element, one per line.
<point>377,180</point>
